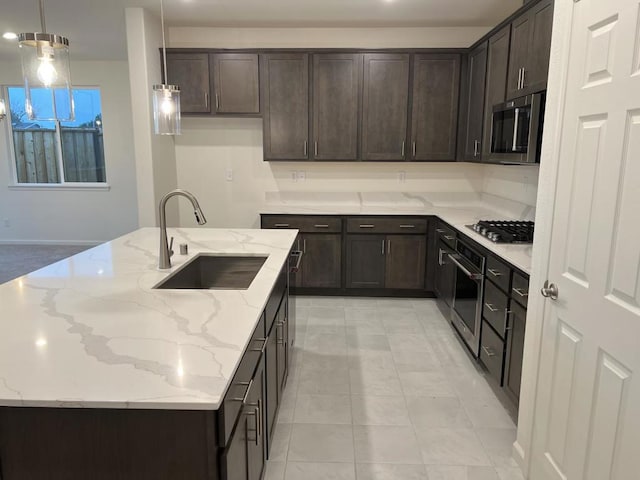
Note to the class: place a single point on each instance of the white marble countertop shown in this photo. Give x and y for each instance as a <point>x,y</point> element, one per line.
<point>91,332</point>
<point>457,209</point>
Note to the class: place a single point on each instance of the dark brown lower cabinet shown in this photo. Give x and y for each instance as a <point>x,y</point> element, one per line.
<point>405,262</point>
<point>515,351</point>
<point>321,265</point>
<point>282,341</point>
<point>366,261</point>
<point>271,373</point>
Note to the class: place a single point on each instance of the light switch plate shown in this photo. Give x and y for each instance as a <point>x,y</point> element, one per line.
<point>228,175</point>
<point>302,175</point>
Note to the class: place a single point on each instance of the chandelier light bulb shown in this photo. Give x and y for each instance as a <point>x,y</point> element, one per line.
<point>47,73</point>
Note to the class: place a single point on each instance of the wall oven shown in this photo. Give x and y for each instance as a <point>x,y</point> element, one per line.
<point>468,292</point>
<point>516,130</point>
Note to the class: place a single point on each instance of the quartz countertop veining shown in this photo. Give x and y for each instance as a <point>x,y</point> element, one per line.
<point>92,332</point>
<point>457,209</point>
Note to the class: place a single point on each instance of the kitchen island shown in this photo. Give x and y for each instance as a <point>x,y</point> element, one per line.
<point>104,376</point>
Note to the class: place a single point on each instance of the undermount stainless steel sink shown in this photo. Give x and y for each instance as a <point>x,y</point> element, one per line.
<point>210,271</point>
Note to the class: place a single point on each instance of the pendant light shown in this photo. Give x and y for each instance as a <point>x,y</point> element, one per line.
<point>46,74</point>
<point>166,98</point>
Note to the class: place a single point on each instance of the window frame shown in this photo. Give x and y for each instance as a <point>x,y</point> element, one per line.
<point>63,185</point>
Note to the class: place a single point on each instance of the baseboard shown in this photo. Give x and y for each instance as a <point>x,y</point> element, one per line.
<point>88,243</point>
<point>517,452</point>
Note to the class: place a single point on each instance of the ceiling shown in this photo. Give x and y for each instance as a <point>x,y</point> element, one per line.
<point>96,28</point>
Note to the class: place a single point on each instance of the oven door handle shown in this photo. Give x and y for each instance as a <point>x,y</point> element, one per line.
<point>471,275</point>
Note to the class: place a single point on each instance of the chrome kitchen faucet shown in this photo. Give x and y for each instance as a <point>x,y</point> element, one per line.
<point>165,248</point>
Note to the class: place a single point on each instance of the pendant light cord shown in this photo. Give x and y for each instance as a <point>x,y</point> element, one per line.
<point>42,24</point>
<point>164,46</point>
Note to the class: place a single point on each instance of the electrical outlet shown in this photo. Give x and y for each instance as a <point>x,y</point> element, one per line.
<point>228,175</point>
<point>302,175</point>
<point>402,176</point>
<point>294,176</point>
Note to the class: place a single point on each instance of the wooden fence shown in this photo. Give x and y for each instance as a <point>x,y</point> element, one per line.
<point>37,155</point>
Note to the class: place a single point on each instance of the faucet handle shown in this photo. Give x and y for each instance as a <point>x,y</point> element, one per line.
<point>171,247</point>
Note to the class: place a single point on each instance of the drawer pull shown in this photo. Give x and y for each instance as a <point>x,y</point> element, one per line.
<point>246,393</point>
<point>439,230</point>
<point>367,225</point>
<point>520,292</point>
<point>488,351</point>
<point>490,307</point>
<point>321,225</point>
<point>264,344</point>
<point>449,237</point>
<point>495,273</point>
<point>281,225</point>
<point>407,226</point>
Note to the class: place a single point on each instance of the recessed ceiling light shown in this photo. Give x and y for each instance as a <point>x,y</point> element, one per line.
<point>9,36</point>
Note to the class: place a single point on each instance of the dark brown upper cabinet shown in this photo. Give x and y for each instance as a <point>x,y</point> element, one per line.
<point>474,103</point>
<point>285,105</point>
<point>385,100</point>
<point>235,83</point>
<point>190,72</point>
<point>496,88</point>
<point>434,114</point>
<point>337,79</point>
<point>530,49</point>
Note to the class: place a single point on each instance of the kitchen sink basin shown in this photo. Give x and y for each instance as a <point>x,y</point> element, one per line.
<point>207,272</point>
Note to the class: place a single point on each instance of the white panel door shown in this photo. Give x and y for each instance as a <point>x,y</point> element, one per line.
<point>587,417</point>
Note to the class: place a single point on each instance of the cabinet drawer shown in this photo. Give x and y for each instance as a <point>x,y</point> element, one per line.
<point>498,273</point>
<point>446,234</point>
<point>495,307</point>
<point>304,223</point>
<point>232,404</point>
<point>386,225</point>
<point>520,289</point>
<point>492,352</point>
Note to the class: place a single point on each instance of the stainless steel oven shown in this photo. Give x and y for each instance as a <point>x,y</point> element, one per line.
<point>516,130</point>
<point>468,291</point>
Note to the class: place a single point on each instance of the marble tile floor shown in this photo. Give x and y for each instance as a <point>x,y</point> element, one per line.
<point>381,389</point>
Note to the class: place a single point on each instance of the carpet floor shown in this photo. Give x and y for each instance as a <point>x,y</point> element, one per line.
<point>18,260</point>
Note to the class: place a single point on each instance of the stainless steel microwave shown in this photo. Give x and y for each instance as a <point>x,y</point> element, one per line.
<point>516,130</point>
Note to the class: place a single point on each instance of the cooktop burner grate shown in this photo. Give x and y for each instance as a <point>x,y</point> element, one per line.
<point>505,231</point>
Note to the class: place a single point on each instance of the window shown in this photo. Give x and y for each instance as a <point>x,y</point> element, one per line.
<point>54,152</point>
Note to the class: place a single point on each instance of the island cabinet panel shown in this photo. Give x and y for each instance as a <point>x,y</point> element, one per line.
<point>385,104</point>
<point>285,105</point>
<point>337,79</point>
<point>236,86</point>
<point>434,112</point>
<point>190,71</point>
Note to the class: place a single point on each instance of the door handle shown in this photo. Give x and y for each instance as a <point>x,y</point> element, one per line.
<point>315,148</point>
<point>549,290</point>
<point>495,273</point>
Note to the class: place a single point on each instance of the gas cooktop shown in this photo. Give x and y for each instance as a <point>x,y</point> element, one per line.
<point>504,231</point>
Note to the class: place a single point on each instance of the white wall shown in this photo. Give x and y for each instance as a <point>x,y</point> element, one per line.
<point>76,216</point>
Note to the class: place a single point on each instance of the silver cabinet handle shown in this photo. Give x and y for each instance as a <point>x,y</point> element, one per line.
<point>441,253</point>
<point>298,253</point>
<point>367,225</point>
<point>524,76</point>
<point>413,149</point>
<point>439,230</point>
<point>206,99</point>
<point>217,102</point>
<point>476,148</point>
<point>449,237</point>
<point>246,393</point>
<point>507,312</point>
<point>549,290</point>
<point>306,148</point>
<point>383,247</point>
<point>388,247</point>
<point>304,246</point>
<point>321,225</point>
<point>407,226</point>
<point>490,307</point>
<point>488,351</point>
<point>519,78</point>
<point>315,148</point>
<point>495,273</point>
<point>520,292</point>
<point>281,225</point>
<point>264,344</point>
<point>402,150</point>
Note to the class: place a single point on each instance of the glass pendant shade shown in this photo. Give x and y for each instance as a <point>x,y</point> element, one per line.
<point>166,110</point>
<point>47,76</point>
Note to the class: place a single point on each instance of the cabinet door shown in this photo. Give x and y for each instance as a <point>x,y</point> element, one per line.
<point>445,275</point>
<point>234,457</point>
<point>405,262</point>
<point>282,343</point>
<point>384,106</point>
<point>515,350</point>
<point>336,95</point>
<point>520,38</point>
<point>236,83</point>
<point>537,69</point>
<point>285,97</point>
<point>321,260</point>
<point>496,88</point>
<point>434,111</point>
<point>271,374</point>
<point>190,71</point>
<point>365,261</point>
<point>477,69</point>
<point>254,412</point>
